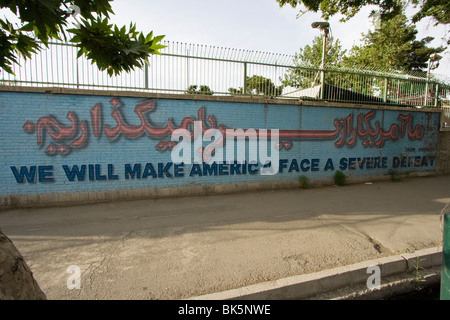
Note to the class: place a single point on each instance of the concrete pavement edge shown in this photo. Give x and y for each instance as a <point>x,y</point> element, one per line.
<point>400,272</point>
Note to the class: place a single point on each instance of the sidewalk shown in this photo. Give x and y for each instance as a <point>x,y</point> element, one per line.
<point>182,248</point>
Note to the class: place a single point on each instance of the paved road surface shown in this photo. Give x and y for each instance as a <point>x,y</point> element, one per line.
<point>184,247</point>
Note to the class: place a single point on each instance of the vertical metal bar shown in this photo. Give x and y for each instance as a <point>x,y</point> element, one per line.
<point>276,80</point>
<point>146,75</point>
<point>385,94</point>
<point>245,78</point>
<point>63,65</point>
<point>322,66</point>
<point>437,96</point>
<point>322,83</point>
<point>445,272</point>
<point>187,69</point>
<point>78,74</point>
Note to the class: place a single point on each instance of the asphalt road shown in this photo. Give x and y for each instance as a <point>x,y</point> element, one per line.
<point>185,247</point>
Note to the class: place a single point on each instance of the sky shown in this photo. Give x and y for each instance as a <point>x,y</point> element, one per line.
<point>259,25</point>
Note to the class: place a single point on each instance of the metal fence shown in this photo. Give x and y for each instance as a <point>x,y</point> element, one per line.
<point>199,69</point>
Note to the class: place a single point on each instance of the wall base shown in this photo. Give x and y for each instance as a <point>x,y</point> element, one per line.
<point>69,199</point>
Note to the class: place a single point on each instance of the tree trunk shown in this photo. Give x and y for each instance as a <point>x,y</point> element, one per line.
<point>16,278</point>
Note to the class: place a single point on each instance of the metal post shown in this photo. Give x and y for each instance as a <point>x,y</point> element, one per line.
<point>433,63</point>
<point>146,75</point>
<point>245,78</point>
<point>426,86</point>
<point>322,67</point>
<point>445,272</point>
<point>436,101</point>
<point>385,90</point>
<point>324,29</point>
<point>187,69</point>
<point>78,75</point>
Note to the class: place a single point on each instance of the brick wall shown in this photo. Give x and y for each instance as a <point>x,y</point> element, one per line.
<point>66,146</point>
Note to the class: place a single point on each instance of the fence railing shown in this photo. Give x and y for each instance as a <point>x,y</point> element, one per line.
<point>198,69</point>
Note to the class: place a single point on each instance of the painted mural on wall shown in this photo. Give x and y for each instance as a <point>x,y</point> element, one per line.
<point>64,137</point>
<point>72,143</point>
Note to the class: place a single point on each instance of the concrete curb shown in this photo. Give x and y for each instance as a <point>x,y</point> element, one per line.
<point>309,285</point>
<point>394,287</point>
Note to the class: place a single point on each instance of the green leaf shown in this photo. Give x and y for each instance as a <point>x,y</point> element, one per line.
<point>111,48</point>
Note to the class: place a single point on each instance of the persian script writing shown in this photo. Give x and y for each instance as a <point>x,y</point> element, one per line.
<point>75,135</point>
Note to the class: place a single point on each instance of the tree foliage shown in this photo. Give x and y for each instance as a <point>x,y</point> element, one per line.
<point>113,49</point>
<point>439,10</point>
<point>393,47</point>
<point>311,56</point>
<point>258,85</point>
<point>194,89</point>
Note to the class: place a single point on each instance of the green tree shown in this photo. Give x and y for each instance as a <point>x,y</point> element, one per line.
<point>194,89</point>
<point>393,47</point>
<point>439,10</point>
<point>113,49</point>
<point>302,76</point>
<point>259,85</point>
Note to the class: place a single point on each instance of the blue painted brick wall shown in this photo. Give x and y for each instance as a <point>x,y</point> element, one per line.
<point>21,112</point>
